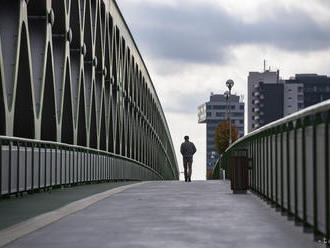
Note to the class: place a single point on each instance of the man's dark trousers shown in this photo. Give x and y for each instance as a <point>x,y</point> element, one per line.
<point>187,164</point>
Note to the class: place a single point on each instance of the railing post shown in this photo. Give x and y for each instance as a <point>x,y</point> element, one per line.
<point>327,184</point>
<point>317,120</point>
<point>288,165</point>
<point>18,168</point>
<point>45,174</point>
<point>0,167</point>
<point>55,176</point>
<point>297,125</point>
<point>271,165</point>
<point>32,166</point>
<point>304,171</point>
<point>281,166</point>
<point>9,170</point>
<point>25,167</point>
<point>39,166</point>
<point>276,166</point>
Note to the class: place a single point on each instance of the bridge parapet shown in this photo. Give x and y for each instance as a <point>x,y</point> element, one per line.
<point>290,165</point>
<point>72,78</point>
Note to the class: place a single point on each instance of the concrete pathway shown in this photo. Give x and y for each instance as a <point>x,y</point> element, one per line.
<point>172,214</point>
<point>16,210</point>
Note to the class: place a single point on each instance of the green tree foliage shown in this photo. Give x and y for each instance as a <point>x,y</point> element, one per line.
<point>221,139</point>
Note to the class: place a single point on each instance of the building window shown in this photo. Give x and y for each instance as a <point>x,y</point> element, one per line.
<point>300,89</point>
<point>208,107</point>
<point>289,90</point>
<point>300,97</point>
<point>219,107</point>
<point>208,114</point>
<point>237,114</point>
<point>241,107</point>
<point>300,105</point>
<point>241,122</point>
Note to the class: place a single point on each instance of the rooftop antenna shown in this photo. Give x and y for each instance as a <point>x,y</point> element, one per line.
<point>264,65</point>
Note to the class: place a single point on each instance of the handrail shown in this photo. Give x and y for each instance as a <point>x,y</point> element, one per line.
<point>81,148</point>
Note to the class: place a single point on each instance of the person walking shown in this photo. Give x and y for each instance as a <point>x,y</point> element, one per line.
<point>187,150</point>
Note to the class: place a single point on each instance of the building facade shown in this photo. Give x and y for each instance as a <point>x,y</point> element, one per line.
<point>211,113</point>
<point>312,89</point>
<point>265,98</point>
<point>271,98</point>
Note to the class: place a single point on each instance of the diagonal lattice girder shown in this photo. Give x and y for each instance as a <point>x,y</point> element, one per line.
<point>70,72</point>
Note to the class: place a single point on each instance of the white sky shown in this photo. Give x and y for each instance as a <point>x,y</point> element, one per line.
<point>191,47</point>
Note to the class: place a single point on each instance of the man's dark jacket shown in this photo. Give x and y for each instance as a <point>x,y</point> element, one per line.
<point>187,149</point>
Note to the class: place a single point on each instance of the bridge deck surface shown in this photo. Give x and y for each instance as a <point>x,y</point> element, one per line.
<point>172,214</point>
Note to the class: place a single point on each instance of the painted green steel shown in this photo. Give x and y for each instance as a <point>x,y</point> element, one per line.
<point>276,148</point>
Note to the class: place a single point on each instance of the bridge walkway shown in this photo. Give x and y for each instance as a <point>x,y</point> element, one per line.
<point>173,214</point>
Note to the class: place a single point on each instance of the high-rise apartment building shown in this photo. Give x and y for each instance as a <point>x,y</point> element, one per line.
<point>271,98</point>
<point>265,98</point>
<point>212,113</point>
<point>312,89</point>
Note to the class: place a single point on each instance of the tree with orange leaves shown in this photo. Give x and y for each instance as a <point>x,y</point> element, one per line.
<point>221,139</point>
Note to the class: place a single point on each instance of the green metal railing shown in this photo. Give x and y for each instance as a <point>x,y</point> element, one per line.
<point>29,165</point>
<point>290,165</point>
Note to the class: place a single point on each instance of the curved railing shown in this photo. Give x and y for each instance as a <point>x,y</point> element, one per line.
<point>290,165</point>
<point>71,73</point>
<point>29,165</point>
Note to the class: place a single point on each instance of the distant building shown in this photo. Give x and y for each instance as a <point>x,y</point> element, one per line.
<point>271,98</point>
<point>312,89</point>
<point>212,113</point>
<point>265,98</point>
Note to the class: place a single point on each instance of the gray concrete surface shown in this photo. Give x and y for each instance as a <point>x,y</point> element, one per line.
<point>16,210</point>
<point>173,214</point>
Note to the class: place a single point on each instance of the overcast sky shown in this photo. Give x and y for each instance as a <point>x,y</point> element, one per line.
<point>191,47</point>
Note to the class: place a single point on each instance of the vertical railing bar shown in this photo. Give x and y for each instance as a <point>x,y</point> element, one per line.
<point>276,167</point>
<point>18,167</point>
<point>45,174</point>
<point>65,165</point>
<point>39,165</point>
<point>304,174</point>
<point>315,191</point>
<point>51,167</point>
<point>264,168</point>
<point>282,174</point>
<point>61,166</point>
<point>90,167</point>
<point>25,170</point>
<point>271,167</point>
<point>32,166</point>
<point>73,166</point>
<point>260,164</point>
<point>81,166</point>
<point>296,173</point>
<point>327,184</point>
<point>288,173</point>
<point>0,167</point>
<point>9,169</point>
<point>56,164</point>
<point>70,165</point>
<point>254,172</point>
